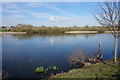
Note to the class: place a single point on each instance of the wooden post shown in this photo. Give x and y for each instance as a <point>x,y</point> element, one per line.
<point>102,54</point>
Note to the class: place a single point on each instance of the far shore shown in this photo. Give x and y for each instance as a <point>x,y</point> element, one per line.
<point>71,32</point>
<point>12,32</point>
<point>81,32</point>
<point>86,32</point>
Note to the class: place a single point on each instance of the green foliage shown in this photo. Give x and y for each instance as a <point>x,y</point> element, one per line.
<point>50,67</point>
<point>86,26</point>
<point>39,69</point>
<point>54,68</point>
<point>100,31</point>
<point>43,26</point>
<point>55,26</point>
<point>74,26</point>
<point>46,70</point>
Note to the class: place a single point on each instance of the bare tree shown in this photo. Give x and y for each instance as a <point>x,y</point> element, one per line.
<point>108,15</point>
<point>80,56</point>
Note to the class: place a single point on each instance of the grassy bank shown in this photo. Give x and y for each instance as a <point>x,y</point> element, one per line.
<point>98,70</point>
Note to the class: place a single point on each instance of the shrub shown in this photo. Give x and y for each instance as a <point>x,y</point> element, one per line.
<point>39,69</point>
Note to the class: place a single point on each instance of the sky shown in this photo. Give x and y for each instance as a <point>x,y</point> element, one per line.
<point>62,14</point>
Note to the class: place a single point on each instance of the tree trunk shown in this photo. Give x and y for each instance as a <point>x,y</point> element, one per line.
<point>98,55</point>
<point>115,54</point>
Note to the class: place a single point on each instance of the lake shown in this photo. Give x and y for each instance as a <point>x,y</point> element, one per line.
<point>22,54</point>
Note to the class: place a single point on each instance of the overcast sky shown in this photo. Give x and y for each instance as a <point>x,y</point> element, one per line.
<point>49,13</point>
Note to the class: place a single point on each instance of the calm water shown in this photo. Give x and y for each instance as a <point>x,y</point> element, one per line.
<point>15,49</point>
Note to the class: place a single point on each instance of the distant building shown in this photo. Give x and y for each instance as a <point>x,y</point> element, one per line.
<point>12,26</point>
<point>4,26</point>
<point>7,28</point>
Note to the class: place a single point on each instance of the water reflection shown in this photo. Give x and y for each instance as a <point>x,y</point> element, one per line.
<point>58,37</point>
<point>29,36</point>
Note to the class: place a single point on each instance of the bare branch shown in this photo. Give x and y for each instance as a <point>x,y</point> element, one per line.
<point>109,16</point>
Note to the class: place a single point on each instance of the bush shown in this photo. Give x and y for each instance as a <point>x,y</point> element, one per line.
<point>100,31</point>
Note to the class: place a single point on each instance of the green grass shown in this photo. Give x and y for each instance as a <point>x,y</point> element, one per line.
<point>99,70</point>
<point>5,31</point>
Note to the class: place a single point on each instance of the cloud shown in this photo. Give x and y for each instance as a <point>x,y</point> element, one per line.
<point>0,9</point>
<point>18,10</point>
<point>13,17</point>
<point>19,16</point>
<point>59,10</point>
<point>63,19</point>
<point>34,4</point>
<point>50,7</point>
<point>40,15</point>
<point>10,5</point>
<point>10,11</point>
<point>60,19</point>
<point>51,19</point>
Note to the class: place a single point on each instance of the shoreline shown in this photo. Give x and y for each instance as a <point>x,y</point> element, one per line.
<point>68,32</point>
<point>12,32</point>
<point>98,70</point>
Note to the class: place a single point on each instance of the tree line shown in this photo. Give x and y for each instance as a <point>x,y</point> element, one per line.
<point>46,29</point>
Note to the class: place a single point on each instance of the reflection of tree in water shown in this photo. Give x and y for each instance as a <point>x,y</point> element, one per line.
<point>29,36</point>
<point>5,75</point>
<point>24,36</point>
<point>86,35</point>
<point>49,39</point>
<point>0,74</point>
